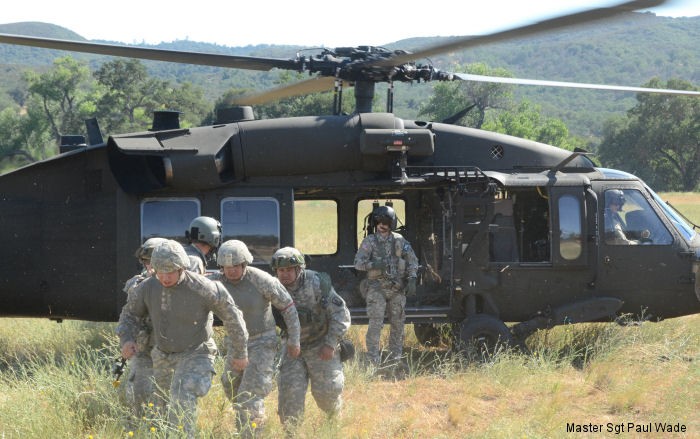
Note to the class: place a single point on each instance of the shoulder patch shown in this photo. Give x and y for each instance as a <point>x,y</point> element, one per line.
<point>337,301</point>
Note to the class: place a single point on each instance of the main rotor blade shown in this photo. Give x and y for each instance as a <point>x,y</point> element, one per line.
<point>205,59</point>
<point>523,31</point>
<point>313,85</point>
<point>500,80</point>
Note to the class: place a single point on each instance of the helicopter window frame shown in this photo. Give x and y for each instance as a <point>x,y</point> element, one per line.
<point>258,257</point>
<point>335,232</point>
<point>570,227</point>
<point>180,237</point>
<point>661,235</point>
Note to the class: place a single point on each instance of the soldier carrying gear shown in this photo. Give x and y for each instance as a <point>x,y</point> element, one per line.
<point>204,236</point>
<point>254,291</point>
<point>139,384</point>
<point>391,267</point>
<point>180,304</point>
<point>324,321</point>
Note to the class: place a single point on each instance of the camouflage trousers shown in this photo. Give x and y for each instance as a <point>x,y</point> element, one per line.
<point>326,378</point>
<point>248,388</point>
<point>381,299</point>
<point>180,379</point>
<point>139,384</point>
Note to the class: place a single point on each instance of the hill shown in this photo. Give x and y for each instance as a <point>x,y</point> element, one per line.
<point>628,51</point>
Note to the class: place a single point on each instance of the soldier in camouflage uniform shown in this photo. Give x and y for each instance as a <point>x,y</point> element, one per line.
<point>180,304</point>
<point>204,236</point>
<point>324,320</point>
<point>254,290</point>
<point>139,384</point>
<point>391,268</point>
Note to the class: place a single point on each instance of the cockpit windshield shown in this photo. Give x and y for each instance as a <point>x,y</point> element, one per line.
<point>678,222</point>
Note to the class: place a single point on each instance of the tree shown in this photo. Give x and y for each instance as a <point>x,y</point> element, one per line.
<point>527,122</point>
<point>659,140</point>
<point>64,103</point>
<point>449,98</point>
<point>25,137</point>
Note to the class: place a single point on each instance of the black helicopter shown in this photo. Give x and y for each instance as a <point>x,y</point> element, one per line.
<point>506,229</point>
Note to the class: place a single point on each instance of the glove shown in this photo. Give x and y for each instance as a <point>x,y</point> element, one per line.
<point>411,287</point>
<point>377,265</point>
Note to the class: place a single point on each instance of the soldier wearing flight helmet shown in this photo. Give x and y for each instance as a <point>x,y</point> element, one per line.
<point>204,236</point>
<point>391,267</point>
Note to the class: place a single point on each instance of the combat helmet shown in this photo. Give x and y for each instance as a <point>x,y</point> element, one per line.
<point>287,257</point>
<point>144,252</point>
<point>205,229</point>
<point>233,252</point>
<point>614,196</point>
<point>169,256</point>
<point>384,214</point>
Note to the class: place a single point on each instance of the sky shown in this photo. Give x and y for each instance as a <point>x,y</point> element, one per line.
<point>305,23</point>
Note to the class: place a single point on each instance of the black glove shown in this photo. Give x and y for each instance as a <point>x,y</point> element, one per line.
<point>411,287</point>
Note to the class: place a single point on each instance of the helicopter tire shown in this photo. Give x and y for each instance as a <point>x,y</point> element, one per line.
<point>481,336</point>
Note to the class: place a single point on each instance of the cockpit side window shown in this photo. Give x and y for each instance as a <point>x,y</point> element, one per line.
<point>629,219</point>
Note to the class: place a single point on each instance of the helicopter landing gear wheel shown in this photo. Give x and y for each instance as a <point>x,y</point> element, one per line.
<point>482,335</point>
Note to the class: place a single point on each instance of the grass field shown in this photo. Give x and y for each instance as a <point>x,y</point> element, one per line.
<point>55,382</point>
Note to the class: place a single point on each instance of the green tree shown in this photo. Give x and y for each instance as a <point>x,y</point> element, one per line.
<point>62,96</point>
<point>449,98</point>
<point>659,140</point>
<point>527,122</point>
<point>24,138</point>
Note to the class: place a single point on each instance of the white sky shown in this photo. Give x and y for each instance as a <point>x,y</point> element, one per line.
<point>304,22</point>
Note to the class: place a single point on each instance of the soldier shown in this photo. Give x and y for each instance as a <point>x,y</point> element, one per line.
<point>204,236</point>
<point>615,227</point>
<point>180,304</point>
<point>324,320</point>
<point>254,290</point>
<point>391,268</point>
<point>139,384</point>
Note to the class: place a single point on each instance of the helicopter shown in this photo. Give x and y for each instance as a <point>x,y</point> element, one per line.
<point>506,229</point>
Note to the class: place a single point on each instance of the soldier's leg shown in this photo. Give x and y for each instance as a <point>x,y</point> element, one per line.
<point>327,381</point>
<point>255,385</point>
<point>139,385</point>
<point>163,369</point>
<point>397,316</point>
<point>376,307</point>
<point>192,380</point>
<point>292,382</point>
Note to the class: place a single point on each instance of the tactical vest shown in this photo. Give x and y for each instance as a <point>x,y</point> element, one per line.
<point>311,307</point>
<point>396,264</point>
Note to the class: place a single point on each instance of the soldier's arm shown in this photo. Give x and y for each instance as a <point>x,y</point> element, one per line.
<point>362,257</point>
<point>131,314</point>
<point>223,306</point>
<point>280,298</point>
<point>338,319</point>
<point>196,265</point>
<point>411,259</point>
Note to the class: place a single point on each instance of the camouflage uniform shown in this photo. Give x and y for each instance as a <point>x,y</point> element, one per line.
<point>139,384</point>
<point>386,288</point>
<point>253,294</point>
<point>615,229</point>
<point>183,356</point>
<point>324,320</point>
<point>198,261</point>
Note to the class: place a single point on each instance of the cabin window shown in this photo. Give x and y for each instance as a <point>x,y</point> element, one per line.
<point>629,219</point>
<point>503,240</point>
<point>570,228</point>
<point>531,219</point>
<point>255,221</point>
<point>168,218</point>
<point>365,208</point>
<point>316,226</point>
